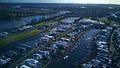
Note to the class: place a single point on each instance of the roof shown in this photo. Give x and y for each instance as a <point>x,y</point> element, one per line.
<point>24,66</point>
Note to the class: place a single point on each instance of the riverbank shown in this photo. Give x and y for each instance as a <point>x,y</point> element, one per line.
<point>25,34</point>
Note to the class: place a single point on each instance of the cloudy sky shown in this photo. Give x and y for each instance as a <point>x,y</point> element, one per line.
<point>65,1</point>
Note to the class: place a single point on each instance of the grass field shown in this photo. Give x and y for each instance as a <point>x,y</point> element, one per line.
<point>18,36</point>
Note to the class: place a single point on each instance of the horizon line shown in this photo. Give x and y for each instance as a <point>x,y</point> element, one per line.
<point>64,3</point>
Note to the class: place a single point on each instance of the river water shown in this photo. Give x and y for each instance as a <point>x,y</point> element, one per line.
<point>79,53</point>
<point>8,24</point>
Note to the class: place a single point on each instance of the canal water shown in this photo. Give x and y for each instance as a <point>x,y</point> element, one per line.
<point>79,53</point>
<point>7,24</point>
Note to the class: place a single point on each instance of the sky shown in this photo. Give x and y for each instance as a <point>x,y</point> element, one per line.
<point>65,1</point>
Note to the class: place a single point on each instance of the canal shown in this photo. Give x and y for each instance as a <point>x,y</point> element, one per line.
<point>78,53</point>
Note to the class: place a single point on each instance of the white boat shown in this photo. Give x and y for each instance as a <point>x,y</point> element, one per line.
<point>65,57</point>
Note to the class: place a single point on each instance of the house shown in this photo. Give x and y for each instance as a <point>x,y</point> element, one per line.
<point>118,41</point>
<point>65,39</point>
<point>48,36</point>
<point>11,54</point>
<point>69,20</point>
<point>61,44</point>
<point>15,30</point>
<point>4,60</point>
<point>101,39</point>
<point>31,63</point>
<point>27,27</point>
<point>61,30</point>
<point>103,61</point>
<point>3,34</point>
<point>24,66</point>
<point>37,56</point>
<point>97,64</point>
<point>104,33</point>
<point>21,49</point>
<point>86,65</point>
<point>72,34</point>
<point>45,39</point>
<point>84,26</point>
<point>53,47</point>
<point>26,46</point>
<point>52,24</point>
<point>45,54</point>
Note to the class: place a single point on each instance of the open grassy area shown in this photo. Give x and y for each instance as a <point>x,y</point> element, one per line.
<point>18,36</point>
<point>104,20</point>
<point>22,35</point>
<point>40,24</point>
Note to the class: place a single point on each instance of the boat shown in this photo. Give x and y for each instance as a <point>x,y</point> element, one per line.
<point>65,57</point>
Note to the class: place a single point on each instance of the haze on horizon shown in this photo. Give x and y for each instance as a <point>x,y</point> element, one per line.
<point>64,1</point>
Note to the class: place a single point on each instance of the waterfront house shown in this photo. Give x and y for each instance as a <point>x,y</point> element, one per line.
<point>45,54</point>
<point>3,34</point>
<point>27,27</point>
<point>53,47</point>
<point>45,39</point>
<point>86,65</point>
<point>37,56</point>
<point>24,66</point>
<point>4,60</point>
<point>31,63</point>
<point>21,49</point>
<point>50,37</point>
<point>65,39</point>
<point>11,54</point>
<point>61,44</point>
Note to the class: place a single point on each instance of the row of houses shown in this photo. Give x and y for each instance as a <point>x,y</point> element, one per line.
<point>3,35</point>
<point>34,60</point>
<point>44,53</point>
<point>118,38</point>
<point>49,25</point>
<point>4,60</point>
<point>69,20</point>
<point>23,28</point>
<point>29,45</point>
<point>62,43</point>
<point>102,59</point>
<point>42,40</point>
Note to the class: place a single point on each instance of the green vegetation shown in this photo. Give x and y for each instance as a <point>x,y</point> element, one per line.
<point>7,14</point>
<point>22,35</point>
<point>40,24</point>
<point>18,36</point>
<point>106,21</point>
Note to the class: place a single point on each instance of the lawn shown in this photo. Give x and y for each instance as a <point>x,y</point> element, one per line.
<point>18,36</point>
<point>104,20</point>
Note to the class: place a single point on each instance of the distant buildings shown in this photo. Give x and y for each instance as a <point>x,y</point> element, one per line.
<point>3,35</point>
<point>102,59</point>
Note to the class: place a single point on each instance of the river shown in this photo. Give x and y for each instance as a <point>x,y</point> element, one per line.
<point>79,53</point>
<point>8,24</point>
